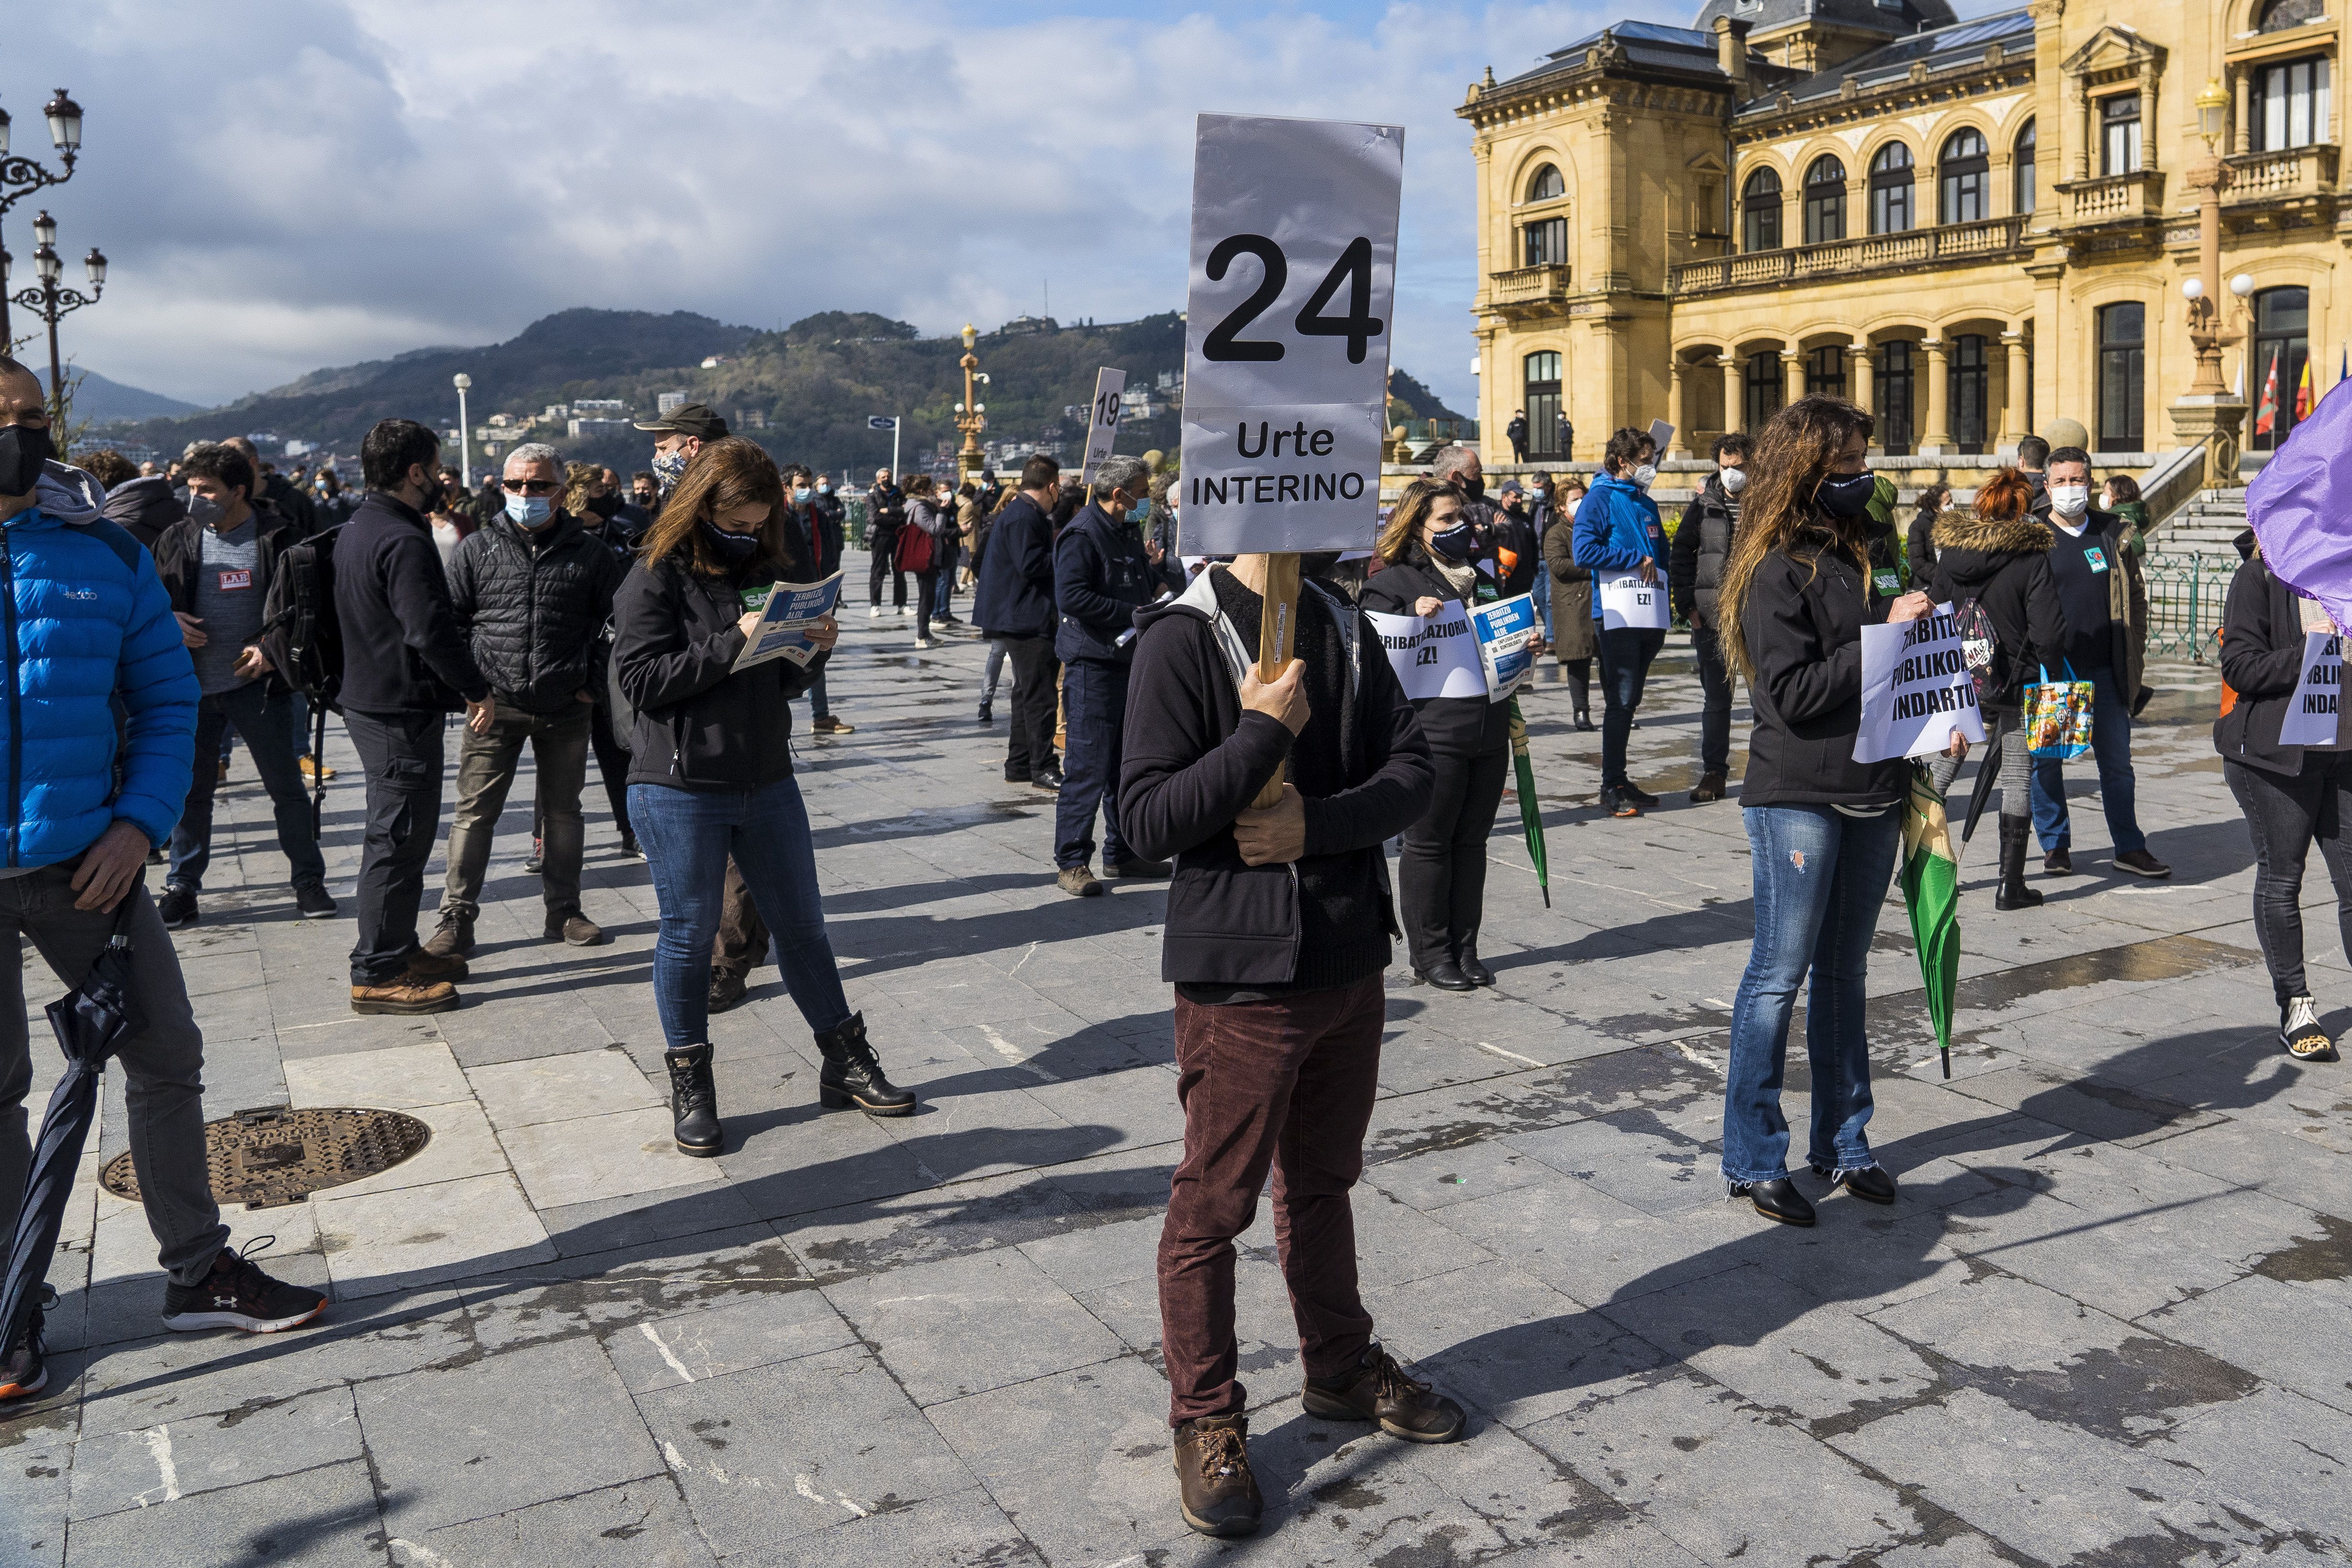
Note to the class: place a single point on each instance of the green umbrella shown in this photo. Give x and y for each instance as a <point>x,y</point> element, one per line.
<point>1530,811</point>
<point>1931,890</point>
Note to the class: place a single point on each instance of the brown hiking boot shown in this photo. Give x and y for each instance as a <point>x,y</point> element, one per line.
<point>408,994</point>
<point>426,965</point>
<point>727,989</point>
<point>454,939</point>
<point>1378,1390</point>
<point>1077,881</point>
<point>1214,1484</point>
<point>576,929</point>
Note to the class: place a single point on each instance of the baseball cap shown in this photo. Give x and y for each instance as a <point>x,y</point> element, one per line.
<point>688,419</point>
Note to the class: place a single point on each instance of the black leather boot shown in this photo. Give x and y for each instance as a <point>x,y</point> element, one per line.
<point>853,1076</point>
<point>694,1102</point>
<point>2016,836</point>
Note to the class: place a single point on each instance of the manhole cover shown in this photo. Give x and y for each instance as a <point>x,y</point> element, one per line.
<point>265,1158</point>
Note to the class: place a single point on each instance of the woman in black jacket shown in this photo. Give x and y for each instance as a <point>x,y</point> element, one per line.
<point>711,775</point>
<point>1823,829</point>
<point>2292,795</point>
<point>1995,557</point>
<point>1430,558</point>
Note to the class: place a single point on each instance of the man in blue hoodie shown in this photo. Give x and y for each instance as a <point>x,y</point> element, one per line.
<point>89,625</point>
<point>1619,533</point>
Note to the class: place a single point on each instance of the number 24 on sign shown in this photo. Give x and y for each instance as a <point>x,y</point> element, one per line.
<point>1354,269</point>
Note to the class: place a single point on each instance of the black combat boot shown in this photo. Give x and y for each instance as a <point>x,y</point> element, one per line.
<point>853,1076</point>
<point>694,1102</point>
<point>2016,834</point>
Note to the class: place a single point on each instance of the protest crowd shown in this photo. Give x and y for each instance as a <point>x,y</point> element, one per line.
<point>582,614</point>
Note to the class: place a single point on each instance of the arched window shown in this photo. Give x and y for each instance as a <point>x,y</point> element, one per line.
<point>1547,185</point>
<point>1759,211</point>
<point>2123,377</point>
<point>2281,14</point>
<point>2020,169</point>
<point>1539,389</point>
<point>1890,189</point>
<point>1766,385</point>
<point>2287,104</point>
<point>1824,201</point>
<point>1962,176</point>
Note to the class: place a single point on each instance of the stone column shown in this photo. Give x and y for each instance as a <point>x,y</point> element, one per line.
<point>2148,140</point>
<point>1863,378</point>
<point>2017,389</point>
<point>2242,128</point>
<point>1793,375</point>
<point>2081,128</point>
<point>1935,440</point>
<point>1733,404</point>
<point>1677,408</point>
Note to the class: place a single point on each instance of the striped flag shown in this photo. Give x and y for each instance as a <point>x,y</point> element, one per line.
<point>2302,398</point>
<point>2266,412</point>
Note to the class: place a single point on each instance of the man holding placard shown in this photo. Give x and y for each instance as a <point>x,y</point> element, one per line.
<point>1620,539</point>
<point>1274,782</point>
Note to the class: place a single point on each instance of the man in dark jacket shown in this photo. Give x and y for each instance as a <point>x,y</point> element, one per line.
<point>1104,570</point>
<point>407,664</point>
<point>1701,549</point>
<point>1516,433</point>
<point>1278,932</point>
<point>885,514</point>
<point>1014,605</point>
<point>280,492</point>
<point>144,506</point>
<point>2105,603</point>
<point>533,590</point>
<point>218,565</point>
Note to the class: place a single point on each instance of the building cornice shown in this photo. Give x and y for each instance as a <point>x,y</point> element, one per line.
<point>1922,90</point>
<point>1593,85</point>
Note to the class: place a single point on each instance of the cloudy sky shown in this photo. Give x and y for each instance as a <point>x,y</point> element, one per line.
<point>282,184</point>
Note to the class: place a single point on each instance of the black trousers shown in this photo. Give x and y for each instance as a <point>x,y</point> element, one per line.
<point>2287,815</point>
<point>612,766</point>
<point>883,544</point>
<point>1715,704</point>
<point>402,754</point>
<point>1036,698</point>
<point>1442,872</point>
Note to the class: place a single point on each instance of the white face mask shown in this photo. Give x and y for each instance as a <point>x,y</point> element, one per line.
<point>2070,501</point>
<point>1645,476</point>
<point>1734,480</point>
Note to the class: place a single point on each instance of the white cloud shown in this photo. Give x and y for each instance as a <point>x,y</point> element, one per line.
<point>282,185</point>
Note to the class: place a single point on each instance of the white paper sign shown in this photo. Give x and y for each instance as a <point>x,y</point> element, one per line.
<point>2311,715</point>
<point>1915,689</point>
<point>1102,420</point>
<point>1433,655</point>
<point>1287,335</point>
<point>1629,602</point>
<point>1506,630</point>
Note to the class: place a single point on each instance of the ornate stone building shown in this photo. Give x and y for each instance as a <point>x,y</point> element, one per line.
<point>1972,228</point>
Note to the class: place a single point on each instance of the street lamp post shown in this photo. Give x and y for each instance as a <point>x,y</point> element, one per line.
<point>50,301</point>
<point>972,415</point>
<point>21,176</point>
<point>2209,414</point>
<point>461,381</point>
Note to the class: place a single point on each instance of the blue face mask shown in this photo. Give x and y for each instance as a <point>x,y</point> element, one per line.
<point>1457,543</point>
<point>1136,514</point>
<point>530,511</point>
<point>801,495</point>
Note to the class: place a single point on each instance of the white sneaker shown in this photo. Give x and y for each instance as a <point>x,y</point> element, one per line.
<point>874,614</point>
<point>925,644</point>
<point>905,610</point>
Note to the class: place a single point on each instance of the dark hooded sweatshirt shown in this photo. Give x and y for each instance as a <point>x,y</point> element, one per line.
<point>1194,759</point>
<point>2004,565</point>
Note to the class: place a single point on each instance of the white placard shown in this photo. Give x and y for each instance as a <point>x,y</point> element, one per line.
<point>1286,333</point>
<point>2311,714</point>
<point>1915,689</point>
<point>1629,602</point>
<point>1102,420</point>
<point>1433,655</point>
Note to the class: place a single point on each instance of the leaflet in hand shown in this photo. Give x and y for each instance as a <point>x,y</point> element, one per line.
<point>1915,689</point>
<point>1507,633</point>
<point>791,609</point>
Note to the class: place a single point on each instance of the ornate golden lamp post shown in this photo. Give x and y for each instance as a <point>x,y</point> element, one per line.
<point>971,414</point>
<point>2208,415</point>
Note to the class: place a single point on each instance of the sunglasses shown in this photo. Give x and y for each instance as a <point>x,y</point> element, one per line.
<point>531,487</point>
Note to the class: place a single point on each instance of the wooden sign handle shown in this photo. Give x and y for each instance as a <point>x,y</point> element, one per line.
<point>1277,634</point>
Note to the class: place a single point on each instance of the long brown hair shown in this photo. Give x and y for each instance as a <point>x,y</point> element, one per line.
<point>725,474</point>
<point>1792,456</point>
<point>1412,511</point>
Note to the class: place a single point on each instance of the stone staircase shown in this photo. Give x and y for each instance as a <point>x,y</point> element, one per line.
<point>2205,525</point>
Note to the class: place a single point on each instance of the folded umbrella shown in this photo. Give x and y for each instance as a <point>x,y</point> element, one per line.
<point>1530,811</point>
<point>1931,891</point>
<point>87,1021</point>
<point>1988,770</point>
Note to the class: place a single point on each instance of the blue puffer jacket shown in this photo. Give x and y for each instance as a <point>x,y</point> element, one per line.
<point>1616,528</point>
<point>78,626</point>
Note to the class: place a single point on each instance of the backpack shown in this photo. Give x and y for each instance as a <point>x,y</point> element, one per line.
<point>300,633</point>
<point>1980,649</point>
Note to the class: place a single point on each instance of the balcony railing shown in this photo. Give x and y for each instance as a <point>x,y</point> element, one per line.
<point>2114,198</point>
<point>2282,175</point>
<point>1947,244</point>
<point>1546,284</point>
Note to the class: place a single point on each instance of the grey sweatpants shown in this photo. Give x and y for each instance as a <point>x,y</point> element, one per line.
<point>2016,771</point>
<point>162,1057</point>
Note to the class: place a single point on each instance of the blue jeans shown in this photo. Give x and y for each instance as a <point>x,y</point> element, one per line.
<point>267,722</point>
<point>1094,708</point>
<point>2111,724</point>
<point>1542,591</point>
<point>1625,656</point>
<point>945,594</point>
<point>1820,876</point>
<point>688,835</point>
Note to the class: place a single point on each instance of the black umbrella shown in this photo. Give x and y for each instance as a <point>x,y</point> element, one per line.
<point>1986,771</point>
<point>87,1021</point>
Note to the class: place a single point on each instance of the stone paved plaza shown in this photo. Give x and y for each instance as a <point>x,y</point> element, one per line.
<point>2109,1323</point>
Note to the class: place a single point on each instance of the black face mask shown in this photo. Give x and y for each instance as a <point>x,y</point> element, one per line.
<point>1846,495</point>
<point>604,506</point>
<point>1457,543</point>
<point>430,499</point>
<point>1474,489</point>
<point>732,548</point>
<point>23,449</point>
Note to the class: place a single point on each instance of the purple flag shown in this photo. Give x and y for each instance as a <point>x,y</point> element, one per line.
<point>2301,508</point>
